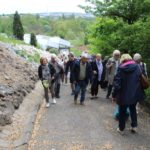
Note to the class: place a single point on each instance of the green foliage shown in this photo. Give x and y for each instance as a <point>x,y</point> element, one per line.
<point>18,31</point>
<point>33,40</point>
<point>148,95</point>
<point>31,58</point>
<point>103,37</point>
<point>69,28</point>
<point>6,24</point>
<point>76,51</point>
<point>53,50</point>
<point>128,10</point>
<point>10,40</point>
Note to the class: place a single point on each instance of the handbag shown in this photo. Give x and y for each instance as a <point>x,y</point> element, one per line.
<point>144,80</point>
<point>45,83</point>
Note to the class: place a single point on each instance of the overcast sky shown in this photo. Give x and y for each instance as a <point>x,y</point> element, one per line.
<point>34,6</point>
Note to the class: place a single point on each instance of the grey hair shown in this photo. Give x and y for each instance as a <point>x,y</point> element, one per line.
<point>137,57</point>
<point>116,52</point>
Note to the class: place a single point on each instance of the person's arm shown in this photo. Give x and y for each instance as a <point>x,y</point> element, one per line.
<point>117,84</point>
<point>145,68</point>
<point>74,70</point>
<point>90,73</point>
<point>109,64</point>
<point>52,70</point>
<point>40,72</point>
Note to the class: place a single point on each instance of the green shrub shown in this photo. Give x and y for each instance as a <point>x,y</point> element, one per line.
<point>148,95</point>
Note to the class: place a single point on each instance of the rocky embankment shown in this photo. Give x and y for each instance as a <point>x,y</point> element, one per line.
<point>17,79</point>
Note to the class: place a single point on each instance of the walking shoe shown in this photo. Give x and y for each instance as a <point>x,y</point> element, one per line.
<point>82,103</point>
<point>72,93</point>
<point>75,101</point>
<point>92,97</point>
<point>47,105</point>
<point>96,97</point>
<point>54,101</point>
<point>119,131</point>
<point>107,97</point>
<point>133,129</point>
<point>57,96</point>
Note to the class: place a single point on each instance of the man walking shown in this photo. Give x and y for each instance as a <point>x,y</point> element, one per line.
<point>82,73</point>
<point>69,67</point>
<point>112,66</point>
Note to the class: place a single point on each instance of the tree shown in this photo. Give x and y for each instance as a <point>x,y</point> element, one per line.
<point>18,31</point>
<point>129,10</point>
<point>33,40</point>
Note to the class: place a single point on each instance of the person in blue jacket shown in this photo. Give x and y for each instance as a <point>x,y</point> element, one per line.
<point>127,91</point>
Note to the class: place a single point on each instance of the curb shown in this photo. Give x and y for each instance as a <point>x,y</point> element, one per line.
<point>18,134</point>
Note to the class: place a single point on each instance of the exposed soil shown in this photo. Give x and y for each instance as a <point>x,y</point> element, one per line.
<point>17,79</point>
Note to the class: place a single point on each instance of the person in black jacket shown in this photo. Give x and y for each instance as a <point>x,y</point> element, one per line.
<point>98,75</point>
<point>81,75</point>
<point>46,75</point>
<point>69,67</point>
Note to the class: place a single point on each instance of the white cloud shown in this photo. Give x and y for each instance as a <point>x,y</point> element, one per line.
<point>33,6</point>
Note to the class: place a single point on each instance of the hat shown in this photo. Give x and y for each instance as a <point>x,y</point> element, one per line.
<point>125,57</point>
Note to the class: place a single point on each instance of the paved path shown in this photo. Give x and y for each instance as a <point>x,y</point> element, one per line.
<point>66,126</point>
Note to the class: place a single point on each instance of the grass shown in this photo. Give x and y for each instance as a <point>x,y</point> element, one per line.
<point>10,40</point>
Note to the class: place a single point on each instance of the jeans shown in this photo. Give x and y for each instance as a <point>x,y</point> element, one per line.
<point>122,117</point>
<point>46,94</point>
<point>80,86</point>
<point>109,90</point>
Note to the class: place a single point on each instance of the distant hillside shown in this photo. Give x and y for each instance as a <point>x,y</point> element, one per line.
<point>66,14</point>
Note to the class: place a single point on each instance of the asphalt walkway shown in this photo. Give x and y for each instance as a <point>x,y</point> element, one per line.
<point>66,126</point>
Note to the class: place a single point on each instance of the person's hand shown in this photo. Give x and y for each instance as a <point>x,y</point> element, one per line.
<point>94,72</point>
<point>113,100</point>
<point>52,78</point>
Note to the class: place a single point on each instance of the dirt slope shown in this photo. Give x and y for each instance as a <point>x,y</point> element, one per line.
<point>17,78</point>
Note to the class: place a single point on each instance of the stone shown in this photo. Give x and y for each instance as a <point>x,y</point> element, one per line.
<point>2,94</point>
<point>6,77</point>
<point>5,119</point>
<point>16,104</point>
<point>3,144</point>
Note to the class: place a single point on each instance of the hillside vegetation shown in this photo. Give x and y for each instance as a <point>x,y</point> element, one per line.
<point>69,28</point>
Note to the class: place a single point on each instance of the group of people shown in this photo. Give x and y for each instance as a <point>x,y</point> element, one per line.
<point>119,75</point>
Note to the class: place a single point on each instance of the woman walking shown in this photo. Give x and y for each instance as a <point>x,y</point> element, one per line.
<point>46,74</point>
<point>127,91</point>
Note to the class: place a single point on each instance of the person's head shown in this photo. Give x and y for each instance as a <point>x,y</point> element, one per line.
<point>71,56</point>
<point>116,54</point>
<point>137,58</point>
<point>84,58</point>
<point>43,61</point>
<point>53,59</point>
<point>125,57</point>
<point>98,57</point>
